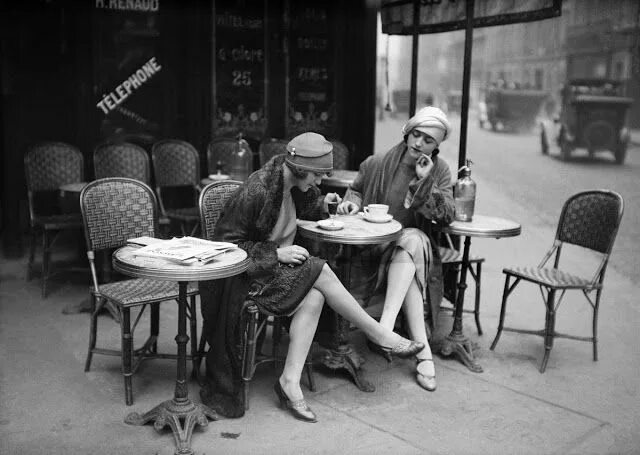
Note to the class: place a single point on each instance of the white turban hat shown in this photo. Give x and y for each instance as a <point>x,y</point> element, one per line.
<point>429,120</point>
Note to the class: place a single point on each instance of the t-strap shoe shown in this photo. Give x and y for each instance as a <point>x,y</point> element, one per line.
<point>299,408</point>
<point>403,349</point>
<point>426,382</point>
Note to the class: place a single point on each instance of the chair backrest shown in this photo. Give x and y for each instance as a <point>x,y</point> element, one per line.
<point>590,219</point>
<point>220,149</point>
<point>116,209</point>
<point>175,163</point>
<point>48,165</point>
<point>213,198</point>
<point>270,148</point>
<point>340,155</point>
<point>121,159</point>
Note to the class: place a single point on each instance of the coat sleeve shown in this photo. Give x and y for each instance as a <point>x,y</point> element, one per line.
<point>356,189</point>
<point>433,196</point>
<point>237,225</point>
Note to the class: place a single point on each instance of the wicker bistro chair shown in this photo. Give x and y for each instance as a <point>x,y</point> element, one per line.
<point>176,163</point>
<point>271,147</point>
<point>49,165</point>
<point>114,210</point>
<point>122,159</point>
<point>125,159</point>
<point>588,220</point>
<point>212,201</point>
<point>452,257</point>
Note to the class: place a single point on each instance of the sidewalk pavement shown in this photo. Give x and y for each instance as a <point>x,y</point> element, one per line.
<point>51,406</point>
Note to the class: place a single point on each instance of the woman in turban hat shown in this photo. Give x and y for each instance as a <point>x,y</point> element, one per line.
<point>416,186</point>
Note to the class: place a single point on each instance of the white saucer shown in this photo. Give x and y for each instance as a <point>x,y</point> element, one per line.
<point>330,225</point>
<point>383,219</point>
<point>219,177</point>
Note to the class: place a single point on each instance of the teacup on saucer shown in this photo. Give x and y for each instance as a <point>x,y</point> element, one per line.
<point>378,219</point>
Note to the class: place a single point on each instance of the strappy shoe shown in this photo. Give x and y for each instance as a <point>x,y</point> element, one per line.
<point>426,382</point>
<point>299,408</point>
<point>404,349</point>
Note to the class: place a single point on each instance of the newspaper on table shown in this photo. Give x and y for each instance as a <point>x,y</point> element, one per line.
<point>184,250</point>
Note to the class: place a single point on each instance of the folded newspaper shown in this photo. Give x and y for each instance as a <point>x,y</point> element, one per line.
<point>185,250</point>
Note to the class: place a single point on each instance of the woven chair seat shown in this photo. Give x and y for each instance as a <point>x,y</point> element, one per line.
<point>449,256</point>
<point>135,292</point>
<point>64,221</point>
<point>553,278</point>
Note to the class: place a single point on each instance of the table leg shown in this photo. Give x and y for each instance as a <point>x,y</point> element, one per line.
<point>456,342</point>
<point>341,355</point>
<point>180,413</point>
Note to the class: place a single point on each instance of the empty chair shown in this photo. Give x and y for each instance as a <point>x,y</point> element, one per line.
<point>452,257</point>
<point>176,164</point>
<point>589,220</point>
<point>114,210</point>
<point>122,159</point>
<point>48,166</point>
<point>212,201</point>
<point>270,148</point>
<point>219,151</point>
<point>340,155</point>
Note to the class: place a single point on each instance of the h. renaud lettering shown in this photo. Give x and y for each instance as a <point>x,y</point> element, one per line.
<point>129,5</point>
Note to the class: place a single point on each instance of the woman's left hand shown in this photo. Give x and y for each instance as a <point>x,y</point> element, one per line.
<point>424,164</point>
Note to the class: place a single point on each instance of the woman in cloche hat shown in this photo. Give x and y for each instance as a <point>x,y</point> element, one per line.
<point>283,279</point>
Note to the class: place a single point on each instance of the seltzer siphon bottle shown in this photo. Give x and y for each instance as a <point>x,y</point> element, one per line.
<point>240,161</point>
<point>464,194</point>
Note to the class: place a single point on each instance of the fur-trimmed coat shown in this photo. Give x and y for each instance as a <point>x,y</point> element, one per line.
<point>247,220</point>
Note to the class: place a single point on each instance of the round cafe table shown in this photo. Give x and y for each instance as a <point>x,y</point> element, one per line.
<point>480,226</point>
<point>180,408</point>
<point>356,231</point>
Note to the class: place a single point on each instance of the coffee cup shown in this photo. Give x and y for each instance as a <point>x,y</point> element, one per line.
<point>376,210</point>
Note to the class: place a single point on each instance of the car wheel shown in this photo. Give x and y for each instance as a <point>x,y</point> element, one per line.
<point>544,141</point>
<point>621,152</point>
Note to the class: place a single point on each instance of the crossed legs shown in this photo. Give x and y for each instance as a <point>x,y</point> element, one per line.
<point>405,293</point>
<point>329,289</point>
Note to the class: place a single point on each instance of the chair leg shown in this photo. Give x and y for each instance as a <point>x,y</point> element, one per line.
<point>276,336</point>
<point>45,262</point>
<point>93,328</point>
<point>595,325</point>
<point>308,367</point>
<point>505,294</point>
<point>154,329</point>
<point>549,329</point>
<point>201,348</point>
<point>127,355</point>
<point>249,355</point>
<point>476,310</point>
<point>32,253</point>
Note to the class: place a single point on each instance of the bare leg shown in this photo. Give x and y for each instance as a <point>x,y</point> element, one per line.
<point>414,312</point>
<point>301,333</point>
<point>402,274</point>
<point>341,300</point>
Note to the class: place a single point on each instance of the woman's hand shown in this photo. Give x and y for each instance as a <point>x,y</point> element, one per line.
<point>348,208</point>
<point>293,254</point>
<point>424,164</point>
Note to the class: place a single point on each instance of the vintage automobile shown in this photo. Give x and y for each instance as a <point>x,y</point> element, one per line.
<point>592,116</point>
<point>512,109</point>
